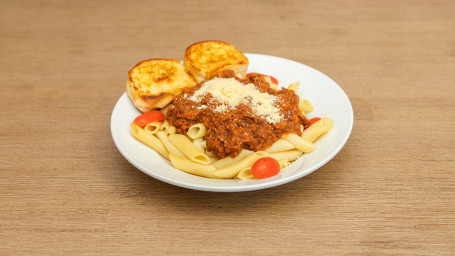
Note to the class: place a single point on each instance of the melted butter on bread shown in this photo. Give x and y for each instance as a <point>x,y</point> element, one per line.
<point>206,59</point>
<point>153,83</point>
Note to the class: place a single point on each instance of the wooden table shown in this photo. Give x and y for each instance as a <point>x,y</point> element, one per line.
<point>66,190</point>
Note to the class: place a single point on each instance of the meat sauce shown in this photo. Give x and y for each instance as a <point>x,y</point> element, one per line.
<point>240,128</point>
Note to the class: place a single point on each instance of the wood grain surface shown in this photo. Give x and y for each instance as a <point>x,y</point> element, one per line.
<point>66,190</point>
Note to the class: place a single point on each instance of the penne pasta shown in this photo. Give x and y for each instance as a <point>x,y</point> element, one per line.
<point>197,131</point>
<point>316,130</point>
<point>325,121</point>
<point>212,158</point>
<point>280,145</point>
<point>149,140</point>
<point>299,142</point>
<point>165,125</point>
<point>245,174</point>
<point>305,106</point>
<point>232,170</point>
<point>204,144</point>
<point>231,160</point>
<point>198,143</point>
<point>153,127</point>
<point>191,167</point>
<point>185,146</point>
<point>171,130</point>
<point>169,146</point>
<point>290,155</point>
<point>210,154</point>
<point>314,133</point>
<point>283,163</point>
<point>294,86</point>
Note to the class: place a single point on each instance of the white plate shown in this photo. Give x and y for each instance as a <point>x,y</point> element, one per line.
<point>327,97</point>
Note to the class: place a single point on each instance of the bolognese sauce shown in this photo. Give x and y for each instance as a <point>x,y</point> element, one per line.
<point>238,113</point>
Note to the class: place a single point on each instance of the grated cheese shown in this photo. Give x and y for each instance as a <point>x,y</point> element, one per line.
<point>230,93</point>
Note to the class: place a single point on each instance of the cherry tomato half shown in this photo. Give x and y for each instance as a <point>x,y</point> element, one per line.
<point>272,79</point>
<point>265,167</point>
<point>148,117</point>
<point>314,120</point>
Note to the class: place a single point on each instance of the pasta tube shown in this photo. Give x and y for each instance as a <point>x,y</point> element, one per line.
<point>280,145</point>
<point>231,160</point>
<point>305,106</point>
<point>165,125</point>
<point>294,86</point>
<point>197,131</point>
<point>232,170</point>
<point>208,153</point>
<point>316,130</point>
<point>198,143</point>
<point>149,140</point>
<point>171,130</point>
<point>290,155</point>
<point>185,146</point>
<point>153,127</point>
<point>191,167</point>
<point>299,142</point>
<point>245,174</point>
<point>169,146</point>
<point>283,163</point>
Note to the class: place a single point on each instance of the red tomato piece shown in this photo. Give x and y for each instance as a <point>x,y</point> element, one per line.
<point>273,79</point>
<point>314,120</point>
<point>265,167</point>
<point>148,117</point>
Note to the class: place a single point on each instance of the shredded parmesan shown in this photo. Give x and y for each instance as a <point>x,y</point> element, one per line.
<point>229,93</point>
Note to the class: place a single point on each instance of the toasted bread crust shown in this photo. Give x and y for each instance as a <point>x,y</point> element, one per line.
<point>206,59</point>
<point>153,83</point>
